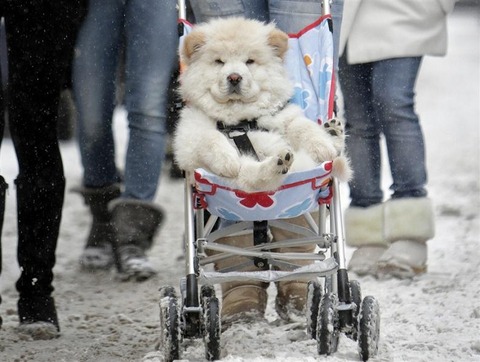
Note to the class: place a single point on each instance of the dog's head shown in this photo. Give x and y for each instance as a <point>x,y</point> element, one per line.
<point>234,68</point>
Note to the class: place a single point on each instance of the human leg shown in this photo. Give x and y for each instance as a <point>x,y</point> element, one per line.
<point>391,237</point>
<point>293,16</point>
<point>94,71</point>
<point>408,216</point>
<point>393,83</point>
<point>3,184</point>
<point>98,252</point>
<point>364,217</point>
<point>39,48</point>
<point>3,190</point>
<point>337,17</point>
<point>292,294</point>
<point>363,134</point>
<point>135,223</point>
<point>205,10</point>
<point>242,301</point>
<point>408,225</point>
<point>148,67</point>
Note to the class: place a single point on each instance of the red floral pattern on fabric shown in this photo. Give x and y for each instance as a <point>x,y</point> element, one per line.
<point>250,200</point>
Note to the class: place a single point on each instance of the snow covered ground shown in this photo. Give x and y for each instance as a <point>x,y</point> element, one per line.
<point>433,318</point>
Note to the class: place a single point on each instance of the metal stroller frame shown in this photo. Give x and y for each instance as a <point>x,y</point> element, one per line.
<point>332,299</point>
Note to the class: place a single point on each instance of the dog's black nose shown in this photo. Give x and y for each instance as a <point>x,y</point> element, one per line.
<point>234,79</point>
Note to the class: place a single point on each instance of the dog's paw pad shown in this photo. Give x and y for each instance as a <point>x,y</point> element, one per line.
<point>284,161</point>
<point>334,126</point>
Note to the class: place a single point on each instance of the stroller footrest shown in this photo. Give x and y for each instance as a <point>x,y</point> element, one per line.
<point>307,272</point>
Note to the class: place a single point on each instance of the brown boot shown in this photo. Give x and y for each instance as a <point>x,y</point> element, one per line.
<point>243,301</point>
<point>292,294</point>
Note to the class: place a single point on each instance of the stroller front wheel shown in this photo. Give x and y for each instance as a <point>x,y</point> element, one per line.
<point>169,324</point>
<point>368,328</point>
<point>314,295</point>
<point>328,325</point>
<point>211,323</point>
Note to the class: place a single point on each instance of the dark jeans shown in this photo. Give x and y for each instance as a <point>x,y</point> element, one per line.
<point>379,101</point>
<point>40,35</point>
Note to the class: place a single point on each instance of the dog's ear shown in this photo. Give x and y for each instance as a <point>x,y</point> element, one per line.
<point>191,44</point>
<point>278,40</point>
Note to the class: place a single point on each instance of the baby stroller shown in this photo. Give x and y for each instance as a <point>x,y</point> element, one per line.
<point>334,303</point>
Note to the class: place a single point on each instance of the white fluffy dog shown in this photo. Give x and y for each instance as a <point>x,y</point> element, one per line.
<point>235,76</point>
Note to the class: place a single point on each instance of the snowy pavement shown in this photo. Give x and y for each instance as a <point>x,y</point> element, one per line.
<point>435,317</point>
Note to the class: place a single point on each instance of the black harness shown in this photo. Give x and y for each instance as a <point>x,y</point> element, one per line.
<point>238,133</point>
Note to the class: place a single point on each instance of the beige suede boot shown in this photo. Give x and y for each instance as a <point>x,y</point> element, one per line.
<point>364,230</point>
<point>409,223</point>
<point>292,294</point>
<point>243,301</point>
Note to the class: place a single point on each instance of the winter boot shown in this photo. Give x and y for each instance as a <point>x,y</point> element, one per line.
<point>292,294</point>
<point>38,317</point>
<point>39,211</point>
<point>98,253</point>
<point>364,230</point>
<point>244,301</point>
<point>409,223</point>
<point>135,223</point>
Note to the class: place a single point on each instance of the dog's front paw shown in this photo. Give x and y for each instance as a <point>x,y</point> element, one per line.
<point>334,127</point>
<point>284,161</point>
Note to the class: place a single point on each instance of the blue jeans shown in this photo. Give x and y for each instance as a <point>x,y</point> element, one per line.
<point>379,100</point>
<point>148,31</point>
<point>290,16</point>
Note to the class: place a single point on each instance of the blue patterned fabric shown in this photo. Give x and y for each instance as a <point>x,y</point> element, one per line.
<point>301,192</point>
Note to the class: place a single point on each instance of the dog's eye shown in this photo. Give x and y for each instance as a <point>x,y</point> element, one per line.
<point>250,61</point>
<point>219,61</point>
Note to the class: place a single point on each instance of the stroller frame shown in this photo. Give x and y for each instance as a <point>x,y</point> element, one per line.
<point>332,299</point>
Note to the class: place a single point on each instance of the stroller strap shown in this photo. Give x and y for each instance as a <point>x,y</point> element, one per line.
<point>239,134</point>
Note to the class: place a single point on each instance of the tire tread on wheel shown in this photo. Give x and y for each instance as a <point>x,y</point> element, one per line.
<point>169,324</point>
<point>328,325</point>
<point>368,328</point>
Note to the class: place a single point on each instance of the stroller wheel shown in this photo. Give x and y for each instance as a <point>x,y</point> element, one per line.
<point>368,328</point>
<point>356,294</point>
<point>327,325</point>
<point>211,319</point>
<point>169,324</point>
<point>314,295</point>
<point>206,291</point>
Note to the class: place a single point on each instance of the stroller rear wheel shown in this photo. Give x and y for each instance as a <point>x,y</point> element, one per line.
<point>368,328</point>
<point>314,295</point>
<point>328,325</point>
<point>169,324</point>
<point>211,323</point>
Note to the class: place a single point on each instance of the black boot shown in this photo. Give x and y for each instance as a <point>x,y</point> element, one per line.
<point>98,252</point>
<point>38,317</point>
<point>135,223</point>
<point>39,208</point>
